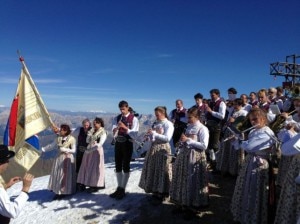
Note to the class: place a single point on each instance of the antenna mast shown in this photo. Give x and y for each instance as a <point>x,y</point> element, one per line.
<point>289,69</point>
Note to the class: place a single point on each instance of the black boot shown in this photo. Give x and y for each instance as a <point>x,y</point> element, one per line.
<point>59,196</point>
<point>92,189</point>
<point>80,187</point>
<point>121,194</point>
<point>113,195</point>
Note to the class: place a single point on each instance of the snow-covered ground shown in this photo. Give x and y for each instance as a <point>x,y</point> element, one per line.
<point>82,207</point>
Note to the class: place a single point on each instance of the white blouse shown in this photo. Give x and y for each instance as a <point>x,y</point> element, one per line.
<point>202,136</point>
<point>259,139</point>
<point>162,130</point>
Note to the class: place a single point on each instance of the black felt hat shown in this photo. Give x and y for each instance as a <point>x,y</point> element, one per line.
<point>5,154</point>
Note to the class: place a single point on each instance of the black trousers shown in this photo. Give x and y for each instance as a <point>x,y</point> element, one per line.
<point>177,134</point>
<point>123,153</point>
<point>79,156</point>
<point>4,220</point>
<point>179,128</point>
<point>214,135</point>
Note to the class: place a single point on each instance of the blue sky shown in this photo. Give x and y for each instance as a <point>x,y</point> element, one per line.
<point>88,55</point>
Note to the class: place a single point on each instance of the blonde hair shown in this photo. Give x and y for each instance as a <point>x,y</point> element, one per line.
<point>162,109</point>
<point>194,112</point>
<point>261,114</point>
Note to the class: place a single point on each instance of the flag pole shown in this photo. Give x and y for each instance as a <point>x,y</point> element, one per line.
<point>34,87</point>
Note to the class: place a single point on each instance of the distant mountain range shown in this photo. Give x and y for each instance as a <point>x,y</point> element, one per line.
<point>74,119</point>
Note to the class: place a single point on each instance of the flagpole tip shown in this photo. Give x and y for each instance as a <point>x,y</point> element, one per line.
<point>20,57</point>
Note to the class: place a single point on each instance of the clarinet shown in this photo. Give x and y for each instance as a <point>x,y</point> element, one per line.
<point>113,142</point>
<point>145,138</point>
<point>179,144</point>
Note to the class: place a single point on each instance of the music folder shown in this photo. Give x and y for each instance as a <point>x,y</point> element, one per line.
<point>275,109</point>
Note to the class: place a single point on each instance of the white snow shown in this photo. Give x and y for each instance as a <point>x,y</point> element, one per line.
<point>82,207</point>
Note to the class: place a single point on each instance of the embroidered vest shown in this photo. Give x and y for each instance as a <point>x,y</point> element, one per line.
<point>264,106</point>
<point>215,106</point>
<point>254,103</point>
<point>178,114</point>
<point>127,121</point>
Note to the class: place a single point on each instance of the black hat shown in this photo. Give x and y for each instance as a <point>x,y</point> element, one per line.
<point>5,154</point>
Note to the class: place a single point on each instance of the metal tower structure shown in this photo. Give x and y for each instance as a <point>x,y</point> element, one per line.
<point>289,69</point>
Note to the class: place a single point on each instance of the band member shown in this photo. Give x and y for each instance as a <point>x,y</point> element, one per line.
<point>263,101</point>
<point>254,190</point>
<point>253,99</point>
<point>201,106</point>
<point>280,93</point>
<point>179,119</point>
<point>125,127</point>
<point>230,159</point>
<point>231,94</point>
<point>229,104</point>
<point>237,110</point>
<point>285,135</point>
<point>189,185</point>
<point>288,206</point>
<point>11,209</point>
<point>155,177</point>
<point>215,114</point>
<point>291,128</point>
<point>273,99</point>
<point>293,118</point>
<point>81,147</point>
<point>63,174</point>
<point>245,105</point>
<point>92,169</point>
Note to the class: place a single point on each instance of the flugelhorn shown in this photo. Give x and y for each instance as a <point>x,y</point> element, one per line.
<point>278,123</point>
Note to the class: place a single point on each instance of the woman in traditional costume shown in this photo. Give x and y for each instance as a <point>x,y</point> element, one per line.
<point>288,207</point>
<point>63,174</point>
<point>92,170</point>
<point>254,193</point>
<point>156,172</point>
<point>189,185</point>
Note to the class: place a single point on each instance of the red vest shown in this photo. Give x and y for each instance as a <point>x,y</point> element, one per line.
<point>176,115</point>
<point>127,121</point>
<point>215,106</point>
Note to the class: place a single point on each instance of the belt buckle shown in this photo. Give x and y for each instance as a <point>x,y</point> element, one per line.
<point>121,138</point>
